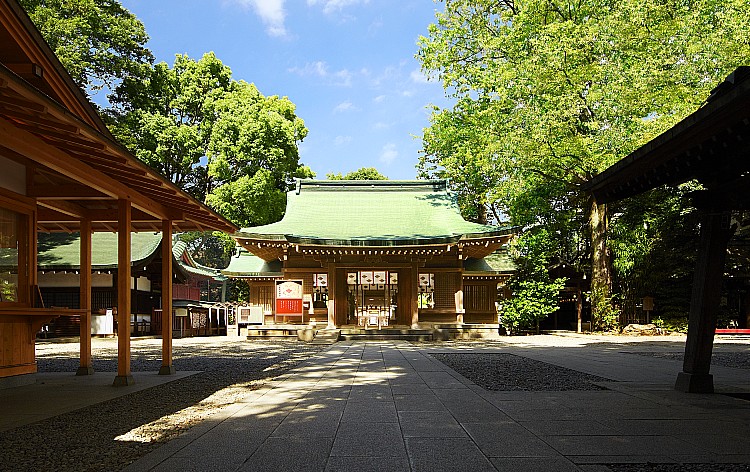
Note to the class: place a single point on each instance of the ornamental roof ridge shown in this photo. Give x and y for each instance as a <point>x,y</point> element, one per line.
<point>435,185</point>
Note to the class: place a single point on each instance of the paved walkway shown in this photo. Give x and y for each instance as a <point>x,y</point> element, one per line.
<point>389,406</point>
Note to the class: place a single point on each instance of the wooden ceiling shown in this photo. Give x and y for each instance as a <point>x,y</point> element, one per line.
<point>74,169</point>
<point>76,172</point>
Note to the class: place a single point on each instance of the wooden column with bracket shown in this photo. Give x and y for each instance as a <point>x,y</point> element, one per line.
<point>124,377</point>
<point>86,367</point>
<point>716,230</point>
<point>167,368</point>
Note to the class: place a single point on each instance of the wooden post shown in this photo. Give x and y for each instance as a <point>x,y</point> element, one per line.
<point>579,309</point>
<point>459,298</point>
<point>167,368</point>
<point>414,290</point>
<point>86,367</point>
<point>124,377</point>
<point>715,234</point>
<point>332,296</point>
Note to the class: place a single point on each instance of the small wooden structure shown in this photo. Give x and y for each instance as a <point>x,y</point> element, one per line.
<point>63,171</point>
<point>373,254</point>
<point>712,146</point>
<point>59,279</point>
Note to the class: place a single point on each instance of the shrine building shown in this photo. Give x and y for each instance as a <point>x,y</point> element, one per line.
<point>372,254</point>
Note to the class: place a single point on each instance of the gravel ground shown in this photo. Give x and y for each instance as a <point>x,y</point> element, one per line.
<point>498,371</point>
<point>738,360</point>
<point>144,420</point>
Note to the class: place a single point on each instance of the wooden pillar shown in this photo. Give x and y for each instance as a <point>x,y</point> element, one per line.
<point>704,303</point>
<point>124,377</point>
<point>167,368</point>
<point>86,367</point>
<point>459,298</point>
<point>579,310</point>
<point>414,291</point>
<point>332,296</point>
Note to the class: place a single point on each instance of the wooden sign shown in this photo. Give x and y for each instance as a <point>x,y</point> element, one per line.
<point>289,297</point>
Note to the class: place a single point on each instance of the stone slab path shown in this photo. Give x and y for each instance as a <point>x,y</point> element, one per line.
<point>390,406</point>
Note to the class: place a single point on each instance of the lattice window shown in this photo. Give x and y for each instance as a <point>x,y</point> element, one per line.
<point>262,295</point>
<point>446,285</point>
<point>478,298</point>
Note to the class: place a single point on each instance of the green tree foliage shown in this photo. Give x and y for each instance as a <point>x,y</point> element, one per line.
<point>549,93</point>
<point>98,41</point>
<point>534,294</point>
<point>219,139</point>
<point>653,241</point>
<point>364,173</point>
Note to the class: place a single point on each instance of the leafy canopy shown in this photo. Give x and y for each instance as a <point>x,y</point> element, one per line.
<point>364,173</point>
<point>98,41</point>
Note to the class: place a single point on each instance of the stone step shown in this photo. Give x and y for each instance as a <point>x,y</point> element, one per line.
<point>360,334</point>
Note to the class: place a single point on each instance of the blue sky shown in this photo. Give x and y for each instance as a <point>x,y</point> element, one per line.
<point>348,65</point>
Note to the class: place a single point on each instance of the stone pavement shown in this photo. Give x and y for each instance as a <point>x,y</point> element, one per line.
<point>55,393</point>
<point>389,406</point>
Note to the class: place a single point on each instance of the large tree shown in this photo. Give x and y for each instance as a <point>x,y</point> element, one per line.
<point>363,173</point>
<point>551,92</point>
<point>219,139</point>
<point>98,41</point>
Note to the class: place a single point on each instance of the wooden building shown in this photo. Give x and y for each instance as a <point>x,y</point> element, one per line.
<point>59,280</point>
<point>63,171</point>
<point>372,254</point>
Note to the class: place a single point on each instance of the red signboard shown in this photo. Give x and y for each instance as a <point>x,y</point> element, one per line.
<point>288,306</point>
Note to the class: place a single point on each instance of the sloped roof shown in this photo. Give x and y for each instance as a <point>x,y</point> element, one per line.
<point>80,172</point>
<point>61,251</point>
<point>371,213</point>
<point>244,264</point>
<point>499,262</point>
<point>188,264</point>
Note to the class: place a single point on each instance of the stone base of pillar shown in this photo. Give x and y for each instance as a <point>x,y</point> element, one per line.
<point>167,370</point>
<point>123,381</point>
<point>694,383</point>
<point>85,371</point>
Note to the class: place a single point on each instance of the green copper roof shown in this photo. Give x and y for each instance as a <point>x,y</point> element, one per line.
<point>188,264</point>
<point>499,262</point>
<point>371,213</point>
<point>244,264</point>
<point>62,250</point>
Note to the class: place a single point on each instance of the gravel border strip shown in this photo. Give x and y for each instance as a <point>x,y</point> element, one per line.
<point>509,372</point>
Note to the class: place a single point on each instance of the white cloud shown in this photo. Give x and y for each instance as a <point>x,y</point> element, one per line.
<point>341,77</point>
<point>341,140</point>
<point>379,99</point>
<point>418,77</point>
<point>344,106</point>
<point>318,68</point>
<point>271,12</point>
<point>332,6</point>
<point>381,125</point>
<point>389,153</point>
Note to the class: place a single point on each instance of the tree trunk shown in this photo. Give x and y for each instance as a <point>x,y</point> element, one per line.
<point>601,275</point>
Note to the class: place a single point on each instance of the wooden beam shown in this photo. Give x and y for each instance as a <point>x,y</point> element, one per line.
<point>22,103</point>
<point>124,377</point>
<point>34,148</point>
<point>65,192</point>
<point>65,207</point>
<point>86,367</point>
<point>167,367</point>
<point>18,114</point>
